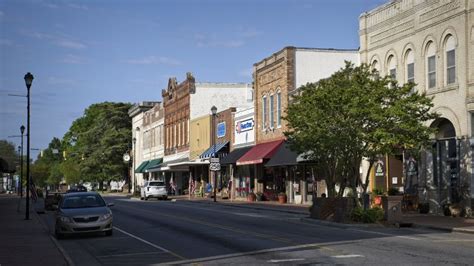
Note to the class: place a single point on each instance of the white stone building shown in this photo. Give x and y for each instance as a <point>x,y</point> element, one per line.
<point>431,42</point>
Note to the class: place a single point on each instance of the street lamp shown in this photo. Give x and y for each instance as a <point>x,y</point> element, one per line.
<point>134,162</point>
<point>28,80</point>
<point>22,130</point>
<point>213,139</point>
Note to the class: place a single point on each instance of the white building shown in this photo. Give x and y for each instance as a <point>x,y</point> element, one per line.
<point>432,44</point>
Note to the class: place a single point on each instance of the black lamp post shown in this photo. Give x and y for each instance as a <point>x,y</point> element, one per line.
<point>22,130</point>
<point>28,80</point>
<point>213,141</point>
<point>134,175</point>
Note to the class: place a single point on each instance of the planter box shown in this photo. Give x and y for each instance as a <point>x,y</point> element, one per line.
<point>392,206</point>
<point>282,199</point>
<point>332,209</point>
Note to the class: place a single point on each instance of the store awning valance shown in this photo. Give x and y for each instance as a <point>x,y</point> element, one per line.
<point>234,155</point>
<point>259,153</point>
<point>214,148</point>
<point>141,167</point>
<point>152,164</point>
<point>283,156</point>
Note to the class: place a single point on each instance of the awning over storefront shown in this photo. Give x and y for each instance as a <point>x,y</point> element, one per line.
<point>232,157</point>
<point>214,148</point>
<point>259,153</point>
<point>283,156</point>
<point>153,164</point>
<point>141,167</point>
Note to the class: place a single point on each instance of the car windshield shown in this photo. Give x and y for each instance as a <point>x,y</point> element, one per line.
<point>82,201</point>
<point>157,184</point>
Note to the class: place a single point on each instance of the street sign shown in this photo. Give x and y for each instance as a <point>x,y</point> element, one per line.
<point>215,166</point>
<point>214,160</point>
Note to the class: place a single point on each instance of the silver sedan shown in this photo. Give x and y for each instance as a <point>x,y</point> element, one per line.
<point>83,212</point>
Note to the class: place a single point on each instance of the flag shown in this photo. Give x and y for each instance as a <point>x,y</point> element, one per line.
<point>34,195</point>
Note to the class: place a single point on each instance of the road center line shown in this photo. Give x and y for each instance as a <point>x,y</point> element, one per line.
<point>347,256</point>
<point>149,243</point>
<point>284,260</point>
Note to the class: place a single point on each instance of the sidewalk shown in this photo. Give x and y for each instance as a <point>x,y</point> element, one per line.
<point>25,242</point>
<point>434,222</point>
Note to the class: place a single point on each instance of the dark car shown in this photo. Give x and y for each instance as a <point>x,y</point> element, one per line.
<point>79,188</point>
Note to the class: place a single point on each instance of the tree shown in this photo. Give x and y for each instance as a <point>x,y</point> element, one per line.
<point>44,170</point>
<point>356,114</point>
<point>9,154</point>
<point>96,142</point>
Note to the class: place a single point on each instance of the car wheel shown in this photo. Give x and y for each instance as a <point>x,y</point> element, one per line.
<point>164,197</point>
<point>141,198</point>
<point>146,198</point>
<point>109,233</point>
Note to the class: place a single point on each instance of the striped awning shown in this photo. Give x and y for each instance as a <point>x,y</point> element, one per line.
<point>214,148</point>
<point>141,167</point>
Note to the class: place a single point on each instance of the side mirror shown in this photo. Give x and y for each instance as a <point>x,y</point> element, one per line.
<point>110,204</point>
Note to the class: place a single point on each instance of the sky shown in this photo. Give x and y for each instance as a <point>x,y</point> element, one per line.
<point>86,52</point>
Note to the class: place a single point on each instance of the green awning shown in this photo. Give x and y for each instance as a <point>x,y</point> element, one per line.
<point>153,163</point>
<point>141,167</point>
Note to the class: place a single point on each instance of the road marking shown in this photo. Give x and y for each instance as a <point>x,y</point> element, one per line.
<point>284,260</point>
<point>454,240</point>
<point>241,254</point>
<point>385,234</point>
<point>347,256</point>
<point>149,243</point>
<point>129,254</point>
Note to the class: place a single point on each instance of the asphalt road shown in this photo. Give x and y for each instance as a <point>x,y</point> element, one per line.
<point>183,232</point>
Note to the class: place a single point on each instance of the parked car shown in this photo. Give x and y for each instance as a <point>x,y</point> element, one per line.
<point>78,188</point>
<point>153,189</point>
<point>83,212</point>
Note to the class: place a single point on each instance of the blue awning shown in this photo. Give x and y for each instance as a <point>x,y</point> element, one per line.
<point>214,148</point>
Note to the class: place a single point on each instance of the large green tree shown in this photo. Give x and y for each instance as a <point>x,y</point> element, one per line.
<point>95,143</point>
<point>356,114</point>
<point>9,155</point>
<point>44,169</point>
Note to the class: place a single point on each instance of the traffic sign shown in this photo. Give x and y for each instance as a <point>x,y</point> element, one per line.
<point>214,160</point>
<point>215,166</point>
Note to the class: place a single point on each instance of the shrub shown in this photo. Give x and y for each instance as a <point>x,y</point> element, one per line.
<point>393,191</point>
<point>371,215</point>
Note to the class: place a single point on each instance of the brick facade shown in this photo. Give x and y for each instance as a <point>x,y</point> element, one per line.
<point>176,101</point>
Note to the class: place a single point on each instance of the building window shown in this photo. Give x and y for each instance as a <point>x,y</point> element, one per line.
<point>410,66</point>
<point>450,60</point>
<point>278,109</point>
<point>431,65</point>
<point>174,136</point>
<point>392,67</point>
<point>264,112</point>
<point>272,109</point>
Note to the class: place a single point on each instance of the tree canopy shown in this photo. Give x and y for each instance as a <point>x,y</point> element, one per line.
<point>95,143</point>
<point>356,114</point>
<point>9,155</point>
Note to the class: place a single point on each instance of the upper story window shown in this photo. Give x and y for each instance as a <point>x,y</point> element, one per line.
<point>431,65</point>
<point>392,67</point>
<point>278,109</point>
<point>410,66</point>
<point>272,111</point>
<point>450,49</point>
<point>264,112</point>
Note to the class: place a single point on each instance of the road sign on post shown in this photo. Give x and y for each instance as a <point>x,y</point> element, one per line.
<point>215,166</point>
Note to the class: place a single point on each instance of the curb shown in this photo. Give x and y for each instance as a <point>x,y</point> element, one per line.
<point>444,229</point>
<point>339,225</point>
<point>244,206</point>
<point>56,243</point>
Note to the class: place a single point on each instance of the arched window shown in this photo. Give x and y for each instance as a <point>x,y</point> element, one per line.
<point>450,49</point>
<point>392,67</point>
<point>410,66</point>
<point>375,65</point>
<point>430,65</point>
<point>272,111</point>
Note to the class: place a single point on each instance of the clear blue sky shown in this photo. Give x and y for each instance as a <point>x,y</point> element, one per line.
<point>84,52</point>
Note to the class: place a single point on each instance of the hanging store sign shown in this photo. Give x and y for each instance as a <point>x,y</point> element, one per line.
<point>245,125</point>
<point>221,130</point>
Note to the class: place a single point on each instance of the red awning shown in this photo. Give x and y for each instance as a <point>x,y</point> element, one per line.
<point>260,152</point>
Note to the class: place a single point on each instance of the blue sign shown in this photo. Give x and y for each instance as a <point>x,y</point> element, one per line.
<point>221,130</point>
<point>245,125</point>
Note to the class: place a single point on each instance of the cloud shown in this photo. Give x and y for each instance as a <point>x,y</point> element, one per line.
<point>5,42</point>
<point>70,44</point>
<point>76,6</point>
<point>61,41</point>
<point>72,59</point>
<point>203,40</point>
<point>153,60</point>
